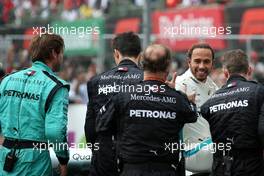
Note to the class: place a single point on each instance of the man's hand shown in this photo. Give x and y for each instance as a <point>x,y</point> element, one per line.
<point>63,170</point>
<point>171,83</point>
<point>192,97</point>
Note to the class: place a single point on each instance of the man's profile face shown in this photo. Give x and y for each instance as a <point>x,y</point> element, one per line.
<point>201,63</point>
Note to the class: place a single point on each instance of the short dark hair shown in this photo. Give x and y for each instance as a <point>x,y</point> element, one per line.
<point>236,61</point>
<point>200,45</point>
<point>154,61</point>
<point>42,45</point>
<point>128,44</point>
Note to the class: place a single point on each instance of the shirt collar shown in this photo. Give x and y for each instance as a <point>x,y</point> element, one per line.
<point>42,66</point>
<point>235,77</point>
<point>127,61</point>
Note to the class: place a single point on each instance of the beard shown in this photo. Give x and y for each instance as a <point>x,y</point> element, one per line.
<point>201,74</point>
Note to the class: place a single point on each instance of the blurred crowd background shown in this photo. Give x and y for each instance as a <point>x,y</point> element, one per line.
<point>92,54</point>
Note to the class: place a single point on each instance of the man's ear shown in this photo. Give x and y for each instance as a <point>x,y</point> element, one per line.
<point>117,56</point>
<point>115,53</point>
<point>249,73</point>
<point>226,73</point>
<point>54,54</point>
<point>51,57</point>
<point>189,62</point>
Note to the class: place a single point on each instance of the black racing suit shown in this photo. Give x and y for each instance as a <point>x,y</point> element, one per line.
<point>100,89</point>
<point>236,117</point>
<point>148,121</point>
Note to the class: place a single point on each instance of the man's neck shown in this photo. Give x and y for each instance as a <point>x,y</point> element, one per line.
<point>133,59</point>
<point>239,74</point>
<point>154,76</point>
<point>50,65</point>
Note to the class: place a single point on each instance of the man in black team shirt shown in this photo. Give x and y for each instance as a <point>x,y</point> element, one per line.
<point>148,119</point>
<point>236,117</point>
<point>126,50</point>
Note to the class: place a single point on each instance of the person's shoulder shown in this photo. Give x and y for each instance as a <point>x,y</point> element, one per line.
<point>94,79</point>
<point>251,83</point>
<point>218,91</point>
<point>120,70</point>
<point>56,79</point>
<point>211,83</point>
<point>182,77</point>
<point>136,71</point>
<point>174,92</point>
<point>256,85</point>
<point>104,74</point>
<point>14,73</point>
<point>183,81</point>
<point>179,93</point>
<point>101,77</point>
<point>108,71</point>
<point>127,69</point>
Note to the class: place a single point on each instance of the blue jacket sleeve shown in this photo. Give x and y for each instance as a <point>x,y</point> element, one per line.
<point>56,124</point>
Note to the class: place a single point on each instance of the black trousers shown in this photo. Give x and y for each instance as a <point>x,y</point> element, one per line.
<point>149,169</point>
<point>253,166</point>
<point>104,160</point>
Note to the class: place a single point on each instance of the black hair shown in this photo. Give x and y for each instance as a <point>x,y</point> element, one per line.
<point>200,45</point>
<point>128,44</point>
